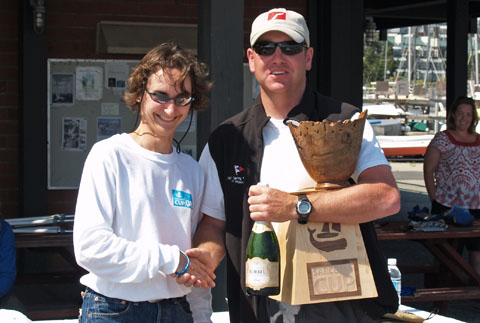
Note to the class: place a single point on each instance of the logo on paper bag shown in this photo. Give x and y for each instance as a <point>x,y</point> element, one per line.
<point>323,241</point>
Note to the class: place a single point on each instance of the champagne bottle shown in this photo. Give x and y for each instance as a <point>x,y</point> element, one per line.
<point>263,261</point>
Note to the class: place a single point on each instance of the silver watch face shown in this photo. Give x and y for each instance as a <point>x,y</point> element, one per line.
<point>304,207</point>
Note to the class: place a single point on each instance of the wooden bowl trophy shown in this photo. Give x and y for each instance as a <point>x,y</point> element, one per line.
<point>325,262</point>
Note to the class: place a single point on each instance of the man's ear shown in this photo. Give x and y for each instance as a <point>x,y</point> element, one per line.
<point>250,55</point>
<point>309,58</point>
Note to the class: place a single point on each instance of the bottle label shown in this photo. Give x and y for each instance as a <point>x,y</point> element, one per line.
<point>261,273</point>
<point>396,285</point>
<point>261,226</point>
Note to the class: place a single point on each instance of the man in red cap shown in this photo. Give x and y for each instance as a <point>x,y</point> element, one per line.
<point>256,146</point>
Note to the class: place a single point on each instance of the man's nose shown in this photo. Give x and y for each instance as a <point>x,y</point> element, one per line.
<point>277,52</point>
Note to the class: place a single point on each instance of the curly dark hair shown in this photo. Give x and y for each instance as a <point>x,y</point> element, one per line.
<point>462,100</point>
<point>170,56</point>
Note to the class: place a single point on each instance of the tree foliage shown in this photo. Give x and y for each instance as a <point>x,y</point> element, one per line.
<point>374,62</point>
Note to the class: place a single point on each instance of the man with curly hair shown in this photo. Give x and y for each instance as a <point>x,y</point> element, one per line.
<point>140,200</point>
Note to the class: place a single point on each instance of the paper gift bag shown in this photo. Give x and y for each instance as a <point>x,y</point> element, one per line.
<point>323,262</point>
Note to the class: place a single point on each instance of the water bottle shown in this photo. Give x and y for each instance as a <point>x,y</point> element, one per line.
<point>395,276</point>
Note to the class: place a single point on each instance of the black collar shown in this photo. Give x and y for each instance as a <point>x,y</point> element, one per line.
<point>304,110</point>
<point>301,112</point>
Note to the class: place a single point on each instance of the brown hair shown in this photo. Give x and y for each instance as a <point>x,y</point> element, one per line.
<point>462,100</point>
<point>170,56</point>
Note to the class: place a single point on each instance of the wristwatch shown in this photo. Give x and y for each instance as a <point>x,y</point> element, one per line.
<point>304,208</point>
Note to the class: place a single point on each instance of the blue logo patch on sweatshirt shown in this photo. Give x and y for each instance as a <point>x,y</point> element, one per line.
<point>182,199</point>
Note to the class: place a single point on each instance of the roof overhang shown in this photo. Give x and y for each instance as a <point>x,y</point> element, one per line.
<point>403,13</point>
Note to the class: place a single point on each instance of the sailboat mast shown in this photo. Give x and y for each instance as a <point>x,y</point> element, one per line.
<point>409,77</point>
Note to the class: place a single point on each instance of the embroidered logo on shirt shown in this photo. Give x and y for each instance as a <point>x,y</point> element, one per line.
<point>182,199</point>
<point>239,175</point>
<point>238,169</point>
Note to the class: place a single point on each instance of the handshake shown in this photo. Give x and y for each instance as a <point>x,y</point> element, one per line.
<point>196,268</point>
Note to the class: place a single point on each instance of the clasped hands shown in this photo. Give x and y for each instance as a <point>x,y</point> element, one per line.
<point>200,273</point>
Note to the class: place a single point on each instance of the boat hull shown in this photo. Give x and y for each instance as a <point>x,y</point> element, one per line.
<point>404,145</point>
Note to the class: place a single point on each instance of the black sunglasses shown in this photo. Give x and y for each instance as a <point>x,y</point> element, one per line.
<point>181,100</point>
<point>287,47</point>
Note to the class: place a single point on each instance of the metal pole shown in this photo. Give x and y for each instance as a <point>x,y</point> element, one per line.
<point>475,43</point>
<point>429,58</point>
<point>409,78</point>
<point>385,69</point>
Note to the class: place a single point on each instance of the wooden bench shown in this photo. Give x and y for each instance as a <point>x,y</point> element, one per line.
<point>52,312</point>
<point>441,294</point>
<point>459,281</point>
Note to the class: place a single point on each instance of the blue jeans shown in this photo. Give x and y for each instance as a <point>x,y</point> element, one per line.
<point>99,308</point>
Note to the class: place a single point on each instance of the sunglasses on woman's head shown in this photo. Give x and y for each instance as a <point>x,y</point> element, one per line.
<point>161,98</point>
<point>266,48</point>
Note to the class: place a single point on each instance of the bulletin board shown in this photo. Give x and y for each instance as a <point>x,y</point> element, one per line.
<point>85,105</point>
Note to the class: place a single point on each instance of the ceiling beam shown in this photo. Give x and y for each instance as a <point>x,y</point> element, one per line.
<point>409,6</point>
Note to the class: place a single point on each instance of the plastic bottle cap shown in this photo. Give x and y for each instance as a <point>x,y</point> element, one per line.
<point>392,261</point>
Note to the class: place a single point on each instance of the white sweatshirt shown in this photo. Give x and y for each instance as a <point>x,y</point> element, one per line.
<point>135,210</point>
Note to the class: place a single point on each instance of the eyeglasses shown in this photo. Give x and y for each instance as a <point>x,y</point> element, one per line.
<point>161,98</point>
<point>287,47</point>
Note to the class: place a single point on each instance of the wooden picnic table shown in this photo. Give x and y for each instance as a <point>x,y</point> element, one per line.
<point>43,240</point>
<point>451,277</point>
<point>62,244</point>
